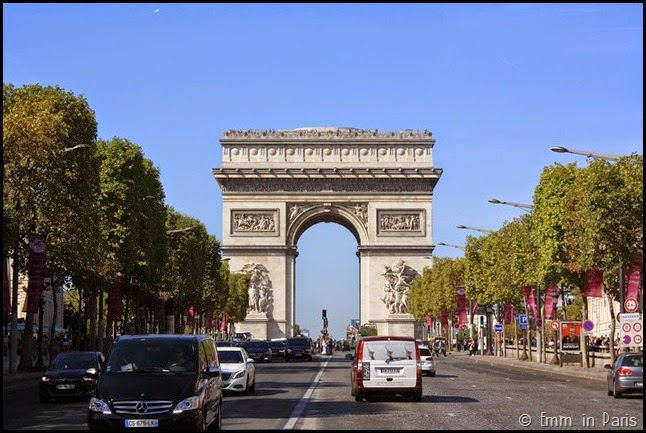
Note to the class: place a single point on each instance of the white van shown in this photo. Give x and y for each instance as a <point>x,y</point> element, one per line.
<point>386,366</point>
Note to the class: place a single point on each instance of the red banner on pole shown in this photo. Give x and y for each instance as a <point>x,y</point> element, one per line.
<point>508,318</point>
<point>36,271</point>
<point>444,319</point>
<point>528,293</point>
<point>115,306</point>
<point>634,280</point>
<point>6,295</point>
<point>462,306</point>
<point>223,322</point>
<point>593,284</point>
<point>549,308</point>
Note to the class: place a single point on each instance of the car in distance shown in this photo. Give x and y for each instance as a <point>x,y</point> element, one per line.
<point>626,374</point>
<point>298,348</point>
<point>71,375</point>
<point>428,362</point>
<point>259,351</point>
<point>278,348</point>
<point>386,366</point>
<point>162,381</point>
<point>238,370</point>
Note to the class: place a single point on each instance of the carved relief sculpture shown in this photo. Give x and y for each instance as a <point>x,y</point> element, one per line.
<point>399,277</point>
<point>260,290</point>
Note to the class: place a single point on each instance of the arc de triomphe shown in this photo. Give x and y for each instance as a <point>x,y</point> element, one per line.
<point>277,184</point>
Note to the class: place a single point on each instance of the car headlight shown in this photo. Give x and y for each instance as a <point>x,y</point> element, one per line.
<point>45,379</point>
<point>238,374</point>
<point>98,405</point>
<point>190,403</point>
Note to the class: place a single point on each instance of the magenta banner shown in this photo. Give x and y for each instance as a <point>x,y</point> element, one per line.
<point>634,280</point>
<point>191,316</point>
<point>208,320</point>
<point>5,287</point>
<point>548,309</point>
<point>593,284</point>
<point>115,306</point>
<point>462,306</point>
<point>36,270</point>
<point>508,318</point>
<point>528,293</point>
<point>444,319</point>
<point>223,322</point>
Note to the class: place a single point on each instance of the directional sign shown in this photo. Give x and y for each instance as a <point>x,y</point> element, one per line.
<point>498,327</point>
<point>631,305</point>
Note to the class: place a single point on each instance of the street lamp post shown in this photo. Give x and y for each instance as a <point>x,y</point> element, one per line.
<point>450,245</point>
<point>526,207</point>
<point>474,228</point>
<point>593,155</point>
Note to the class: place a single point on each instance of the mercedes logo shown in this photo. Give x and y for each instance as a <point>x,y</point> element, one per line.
<point>141,407</point>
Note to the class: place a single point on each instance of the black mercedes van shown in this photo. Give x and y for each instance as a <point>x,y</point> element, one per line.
<point>169,381</point>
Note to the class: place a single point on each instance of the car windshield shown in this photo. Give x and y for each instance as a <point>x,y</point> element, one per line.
<point>151,356</point>
<point>230,357</point>
<point>633,361</point>
<point>298,342</point>
<point>257,344</point>
<point>74,361</point>
<point>424,351</point>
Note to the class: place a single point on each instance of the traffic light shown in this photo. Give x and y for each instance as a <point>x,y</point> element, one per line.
<point>482,321</point>
<point>325,323</point>
<point>324,314</point>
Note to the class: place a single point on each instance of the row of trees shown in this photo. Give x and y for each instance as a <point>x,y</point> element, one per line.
<point>582,219</point>
<point>100,206</point>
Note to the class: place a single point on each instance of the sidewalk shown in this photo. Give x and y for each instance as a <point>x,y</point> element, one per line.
<point>572,370</point>
<point>9,379</point>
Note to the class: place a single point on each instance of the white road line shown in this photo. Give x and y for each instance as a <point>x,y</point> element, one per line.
<point>298,410</point>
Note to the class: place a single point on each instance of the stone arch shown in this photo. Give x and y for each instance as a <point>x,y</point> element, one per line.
<point>327,212</point>
<point>378,185</point>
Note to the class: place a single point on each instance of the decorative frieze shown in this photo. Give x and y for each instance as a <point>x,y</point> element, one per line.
<point>321,185</point>
<point>254,222</point>
<point>398,222</point>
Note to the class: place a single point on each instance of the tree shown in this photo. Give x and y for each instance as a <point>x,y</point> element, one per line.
<point>46,180</point>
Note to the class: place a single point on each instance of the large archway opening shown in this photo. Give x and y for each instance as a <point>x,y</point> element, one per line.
<point>327,277</point>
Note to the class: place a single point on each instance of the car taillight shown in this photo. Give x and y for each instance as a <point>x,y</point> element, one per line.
<point>624,371</point>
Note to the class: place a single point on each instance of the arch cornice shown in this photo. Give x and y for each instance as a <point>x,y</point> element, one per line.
<point>339,213</point>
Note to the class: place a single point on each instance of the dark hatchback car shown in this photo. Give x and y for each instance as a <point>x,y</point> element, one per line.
<point>278,348</point>
<point>71,375</point>
<point>298,348</point>
<point>626,375</point>
<point>170,381</point>
<point>259,351</point>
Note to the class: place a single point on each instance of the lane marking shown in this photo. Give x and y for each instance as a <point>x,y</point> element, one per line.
<point>298,410</point>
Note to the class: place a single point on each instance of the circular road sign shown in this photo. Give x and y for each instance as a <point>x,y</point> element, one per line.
<point>630,305</point>
<point>555,325</point>
<point>588,325</point>
<point>638,339</point>
<point>539,323</point>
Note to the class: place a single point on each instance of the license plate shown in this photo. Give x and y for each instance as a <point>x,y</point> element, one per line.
<point>390,370</point>
<point>142,423</point>
<point>65,386</point>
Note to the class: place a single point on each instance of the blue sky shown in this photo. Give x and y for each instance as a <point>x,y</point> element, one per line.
<point>496,84</point>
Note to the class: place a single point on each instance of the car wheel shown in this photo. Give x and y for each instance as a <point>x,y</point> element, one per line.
<point>252,388</point>
<point>246,388</point>
<point>615,390</point>
<point>432,374</point>
<point>358,397</point>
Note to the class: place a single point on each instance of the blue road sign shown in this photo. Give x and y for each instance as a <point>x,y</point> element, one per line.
<point>522,321</point>
<point>498,327</point>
